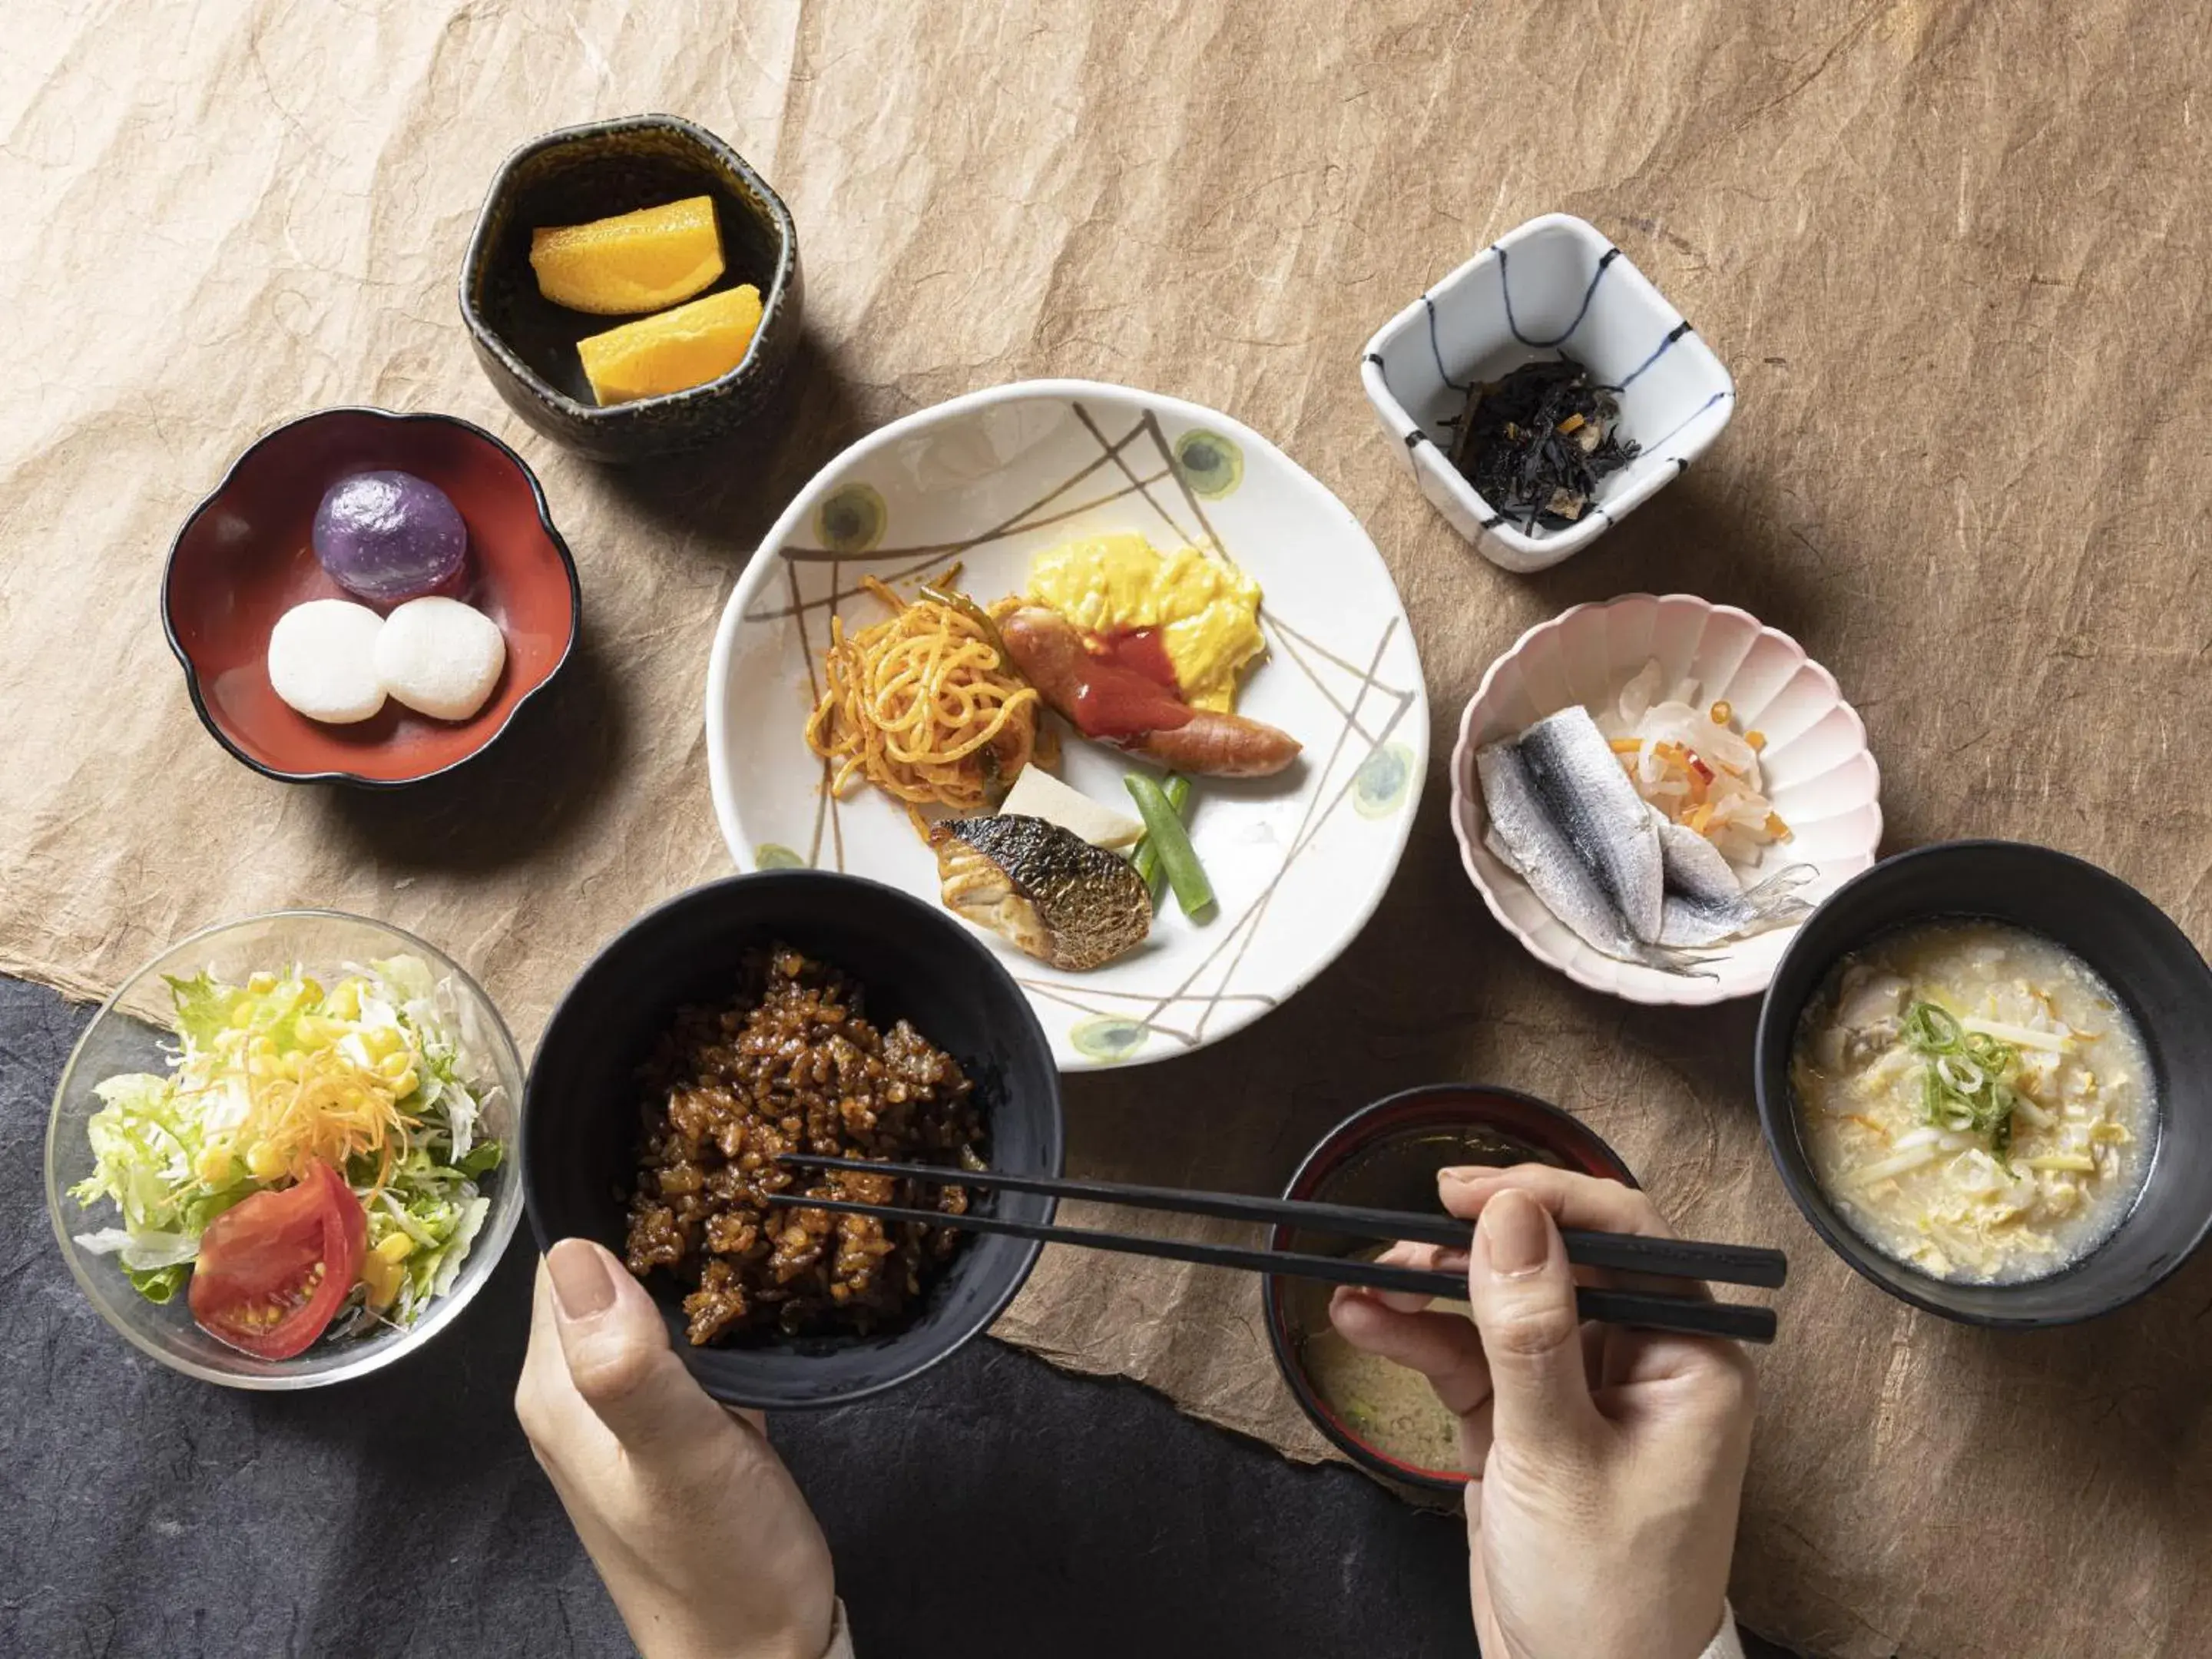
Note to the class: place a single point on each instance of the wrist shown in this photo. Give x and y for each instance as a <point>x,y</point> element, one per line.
<point>676,1637</point>
<point>1725,1643</point>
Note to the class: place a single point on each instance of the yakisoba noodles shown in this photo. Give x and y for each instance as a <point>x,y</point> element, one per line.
<point>922,706</point>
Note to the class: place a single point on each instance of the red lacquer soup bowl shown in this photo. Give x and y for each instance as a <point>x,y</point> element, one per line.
<point>1387,1157</point>
<point>244,558</point>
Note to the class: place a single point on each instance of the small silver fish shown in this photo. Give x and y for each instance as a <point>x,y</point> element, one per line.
<point>1565,818</point>
<point>1693,866</point>
<point>1691,923</point>
<point>1707,902</point>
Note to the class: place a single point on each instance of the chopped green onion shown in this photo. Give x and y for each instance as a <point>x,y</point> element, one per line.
<point>1164,828</point>
<point>1965,1086</point>
<point>1932,1031</point>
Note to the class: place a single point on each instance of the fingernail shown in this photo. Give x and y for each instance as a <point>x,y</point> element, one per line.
<point>581,1283</point>
<point>1513,1227</point>
<point>1466,1173</point>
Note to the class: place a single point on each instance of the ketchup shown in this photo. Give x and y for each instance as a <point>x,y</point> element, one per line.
<point>1128,687</point>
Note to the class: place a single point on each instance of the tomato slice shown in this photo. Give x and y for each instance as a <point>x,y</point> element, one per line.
<point>273,1270</point>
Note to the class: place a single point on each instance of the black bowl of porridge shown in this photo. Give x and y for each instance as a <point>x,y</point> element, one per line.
<point>1984,1071</point>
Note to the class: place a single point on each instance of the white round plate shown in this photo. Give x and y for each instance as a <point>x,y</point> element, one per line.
<point>1299,861</point>
<point>1818,774</point>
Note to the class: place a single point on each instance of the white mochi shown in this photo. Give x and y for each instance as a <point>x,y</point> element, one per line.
<point>440,657</point>
<point>322,660</point>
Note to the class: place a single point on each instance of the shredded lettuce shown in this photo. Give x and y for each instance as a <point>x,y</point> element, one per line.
<point>204,1005</point>
<point>265,1078</point>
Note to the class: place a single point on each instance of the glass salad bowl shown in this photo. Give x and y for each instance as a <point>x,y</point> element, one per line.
<point>162,1147</point>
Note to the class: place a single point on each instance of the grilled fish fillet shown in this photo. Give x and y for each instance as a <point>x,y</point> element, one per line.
<point>1046,890</point>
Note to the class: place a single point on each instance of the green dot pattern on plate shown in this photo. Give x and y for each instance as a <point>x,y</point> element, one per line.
<point>852,519</point>
<point>1108,1037</point>
<point>769,855</point>
<point>1209,462</point>
<point>1382,780</point>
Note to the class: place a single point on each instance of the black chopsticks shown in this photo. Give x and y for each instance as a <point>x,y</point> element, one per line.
<point>1663,1257</point>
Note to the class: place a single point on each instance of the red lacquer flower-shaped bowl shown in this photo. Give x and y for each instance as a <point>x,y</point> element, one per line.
<point>244,557</point>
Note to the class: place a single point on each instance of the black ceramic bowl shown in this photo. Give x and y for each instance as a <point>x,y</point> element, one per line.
<point>2138,951</point>
<point>1387,1156</point>
<point>527,345</point>
<point>580,1108</point>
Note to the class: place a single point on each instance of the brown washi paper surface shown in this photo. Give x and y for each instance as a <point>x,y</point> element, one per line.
<point>1955,255</point>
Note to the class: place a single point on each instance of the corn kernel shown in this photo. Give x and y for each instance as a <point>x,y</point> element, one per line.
<point>262,1048</point>
<point>1721,712</point>
<point>398,1247</point>
<point>393,1067</point>
<point>214,1165</point>
<point>404,1084</point>
<point>261,984</point>
<point>344,1003</point>
<point>242,1016</point>
<point>314,988</point>
<point>381,1278</point>
<point>381,1041</point>
<point>353,1096</point>
<point>263,1162</point>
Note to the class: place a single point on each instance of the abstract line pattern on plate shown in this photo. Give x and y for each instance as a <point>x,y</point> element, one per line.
<point>1375,771</point>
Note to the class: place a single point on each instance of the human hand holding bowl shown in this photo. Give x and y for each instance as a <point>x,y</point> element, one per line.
<point>1607,1464</point>
<point>703,1540</point>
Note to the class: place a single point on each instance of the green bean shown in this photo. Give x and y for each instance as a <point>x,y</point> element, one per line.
<point>1145,856</point>
<point>1164,828</point>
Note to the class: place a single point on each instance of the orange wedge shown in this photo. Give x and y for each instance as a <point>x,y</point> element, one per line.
<point>674,351</point>
<point>632,263</point>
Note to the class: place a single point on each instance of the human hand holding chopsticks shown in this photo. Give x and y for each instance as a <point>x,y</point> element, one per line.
<point>1607,1462</point>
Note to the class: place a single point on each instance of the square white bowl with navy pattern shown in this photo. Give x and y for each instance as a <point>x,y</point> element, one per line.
<point>1556,287</point>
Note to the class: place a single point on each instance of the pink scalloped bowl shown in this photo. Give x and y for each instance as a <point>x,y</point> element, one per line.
<point>1819,773</point>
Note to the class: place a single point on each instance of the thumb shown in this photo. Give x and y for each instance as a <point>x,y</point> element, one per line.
<point>1523,1298</point>
<point>616,1347</point>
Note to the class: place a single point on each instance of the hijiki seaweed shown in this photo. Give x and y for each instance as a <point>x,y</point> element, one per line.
<point>1535,444</point>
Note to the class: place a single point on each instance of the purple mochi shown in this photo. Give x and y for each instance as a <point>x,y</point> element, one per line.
<point>387,537</point>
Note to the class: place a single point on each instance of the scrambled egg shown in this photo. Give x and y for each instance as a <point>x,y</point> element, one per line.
<point>1207,610</point>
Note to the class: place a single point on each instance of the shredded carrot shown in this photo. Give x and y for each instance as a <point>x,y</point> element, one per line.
<point>308,1118</point>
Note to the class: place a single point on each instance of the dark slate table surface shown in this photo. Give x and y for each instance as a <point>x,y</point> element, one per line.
<point>995,1507</point>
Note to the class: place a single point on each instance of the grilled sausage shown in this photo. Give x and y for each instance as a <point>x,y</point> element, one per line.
<point>1049,654</point>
